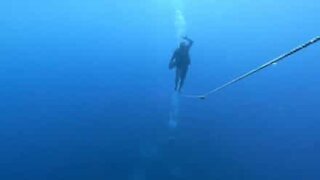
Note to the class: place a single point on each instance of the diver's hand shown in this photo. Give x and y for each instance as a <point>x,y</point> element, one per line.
<point>188,39</point>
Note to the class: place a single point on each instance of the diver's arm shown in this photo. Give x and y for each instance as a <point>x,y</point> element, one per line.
<point>190,41</point>
<point>173,57</point>
<point>172,60</point>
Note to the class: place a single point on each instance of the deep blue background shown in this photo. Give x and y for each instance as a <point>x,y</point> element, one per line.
<point>85,91</point>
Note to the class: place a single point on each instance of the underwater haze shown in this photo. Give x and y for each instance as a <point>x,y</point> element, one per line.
<point>86,92</point>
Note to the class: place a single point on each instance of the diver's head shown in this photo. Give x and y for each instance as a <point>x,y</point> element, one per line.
<point>183,45</point>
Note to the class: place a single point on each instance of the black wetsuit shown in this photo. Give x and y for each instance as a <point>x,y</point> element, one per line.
<point>181,61</point>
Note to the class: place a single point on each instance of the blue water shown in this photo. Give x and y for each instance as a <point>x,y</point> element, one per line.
<point>86,92</point>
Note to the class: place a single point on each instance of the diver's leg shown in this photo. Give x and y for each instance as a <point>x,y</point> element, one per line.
<point>183,75</point>
<point>177,79</point>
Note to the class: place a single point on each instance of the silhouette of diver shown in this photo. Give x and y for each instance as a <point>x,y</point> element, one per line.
<point>181,61</point>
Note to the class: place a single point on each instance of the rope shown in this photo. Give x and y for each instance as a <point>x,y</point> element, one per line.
<point>253,71</point>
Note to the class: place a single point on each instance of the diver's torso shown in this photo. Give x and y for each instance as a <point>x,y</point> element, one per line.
<point>182,58</point>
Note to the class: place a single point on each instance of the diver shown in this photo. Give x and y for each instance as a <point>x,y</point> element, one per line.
<point>181,61</point>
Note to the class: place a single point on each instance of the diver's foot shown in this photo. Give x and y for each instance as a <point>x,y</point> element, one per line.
<point>176,88</point>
